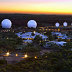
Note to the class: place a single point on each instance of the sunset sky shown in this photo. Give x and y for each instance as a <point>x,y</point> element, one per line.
<point>36,6</point>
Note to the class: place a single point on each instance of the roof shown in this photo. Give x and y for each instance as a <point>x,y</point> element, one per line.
<point>43,36</point>
<point>64,37</point>
<point>18,34</point>
<point>36,33</point>
<point>27,40</point>
<point>59,35</point>
<point>59,43</point>
<point>28,35</point>
<point>33,36</point>
<point>62,43</point>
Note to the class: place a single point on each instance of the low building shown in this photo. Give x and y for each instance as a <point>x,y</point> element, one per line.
<point>60,44</point>
<point>29,41</point>
<point>63,37</point>
<point>27,36</point>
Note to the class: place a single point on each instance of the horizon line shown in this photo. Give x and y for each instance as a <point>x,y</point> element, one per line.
<point>36,14</point>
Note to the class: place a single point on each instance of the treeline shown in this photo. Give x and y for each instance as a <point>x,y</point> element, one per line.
<point>9,41</point>
<point>60,61</point>
<point>42,20</point>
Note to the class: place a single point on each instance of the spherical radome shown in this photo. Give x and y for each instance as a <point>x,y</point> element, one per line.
<point>6,23</point>
<point>32,23</point>
<point>57,24</point>
<point>71,23</point>
<point>65,23</point>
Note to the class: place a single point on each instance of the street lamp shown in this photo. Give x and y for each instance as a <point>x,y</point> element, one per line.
<point>16,55</point>
<point>7,54</point>
<point>35,57</point>
<point>26,55</point>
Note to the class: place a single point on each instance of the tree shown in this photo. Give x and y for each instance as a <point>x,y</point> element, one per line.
<point>37,39</point>
<point>19,40</point>
<point>32,34</point>
<point>55,47</point>
<point>59,39</point>
<point>55,36</point>
<point>48,33</point>
<point>1,50</point>
<point>9,40</point>
<point>51,37</point>
<point>67,45</point>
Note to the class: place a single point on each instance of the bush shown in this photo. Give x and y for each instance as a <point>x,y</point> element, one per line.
<point>2,61</point>
<point>31,49</point>
<point>3,69</point>
<point>1,51</point>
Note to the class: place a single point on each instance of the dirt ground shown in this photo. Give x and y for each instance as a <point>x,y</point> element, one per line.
<point>13,59</point>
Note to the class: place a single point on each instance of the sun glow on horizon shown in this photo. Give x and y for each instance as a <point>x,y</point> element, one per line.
<point>36,8</point>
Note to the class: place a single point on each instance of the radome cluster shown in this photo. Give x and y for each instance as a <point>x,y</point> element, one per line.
<point>64,24</point>
<point>6,23</point>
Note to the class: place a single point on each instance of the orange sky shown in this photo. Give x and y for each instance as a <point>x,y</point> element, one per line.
<point>36,7</point>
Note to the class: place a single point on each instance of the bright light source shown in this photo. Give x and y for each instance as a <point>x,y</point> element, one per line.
<point>40,41</point>
<point>7,38</point>
<point>46,56</point>
<point>7,53</point>
<point>26,55</point>
<point>46,29</point>
<point>45,39</point>
<point>35,57</point>
<point>34,31</point>
<point>13,30</point>
<point>16,55</point>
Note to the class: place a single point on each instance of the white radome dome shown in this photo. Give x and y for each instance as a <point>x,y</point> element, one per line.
<point>32,23</point>
<point>71,23</point>
<point>65,23</point>
<point>6,23</point>
<point>57,24</point>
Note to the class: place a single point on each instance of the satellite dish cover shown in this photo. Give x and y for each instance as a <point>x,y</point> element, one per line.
<point>71,23</point>
<point>57,24</point>
<point>32,23</point>
<point>6,23</point>
<point>65,23</point>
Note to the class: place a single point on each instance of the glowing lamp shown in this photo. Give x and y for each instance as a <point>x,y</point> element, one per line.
<point>16,55</point>
<point>35,57</point>
<point>34,31</point>
<point>7,38</point>
<point>26,55</point>
<point>7,53</point>
<point>46,56</point>
<point>13,30</point>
